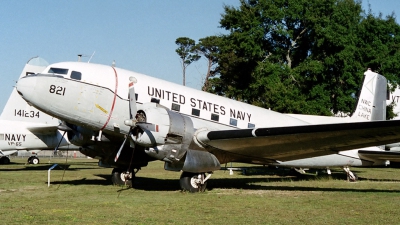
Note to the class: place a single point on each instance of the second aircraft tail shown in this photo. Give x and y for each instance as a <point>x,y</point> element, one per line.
<point>16,109</point>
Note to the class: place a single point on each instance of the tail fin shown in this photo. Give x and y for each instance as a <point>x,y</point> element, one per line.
<point>371,104</point>
<point>16,109</point>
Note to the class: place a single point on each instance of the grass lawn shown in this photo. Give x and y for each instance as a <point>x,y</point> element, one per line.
<point>84,195</point>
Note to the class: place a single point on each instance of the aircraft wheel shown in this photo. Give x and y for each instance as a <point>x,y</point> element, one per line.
<point>4,160</point>
<point>192,182</point>
<point>33,160</point>
<point>121,177</point>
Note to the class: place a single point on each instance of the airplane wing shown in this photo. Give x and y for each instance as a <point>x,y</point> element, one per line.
<point>393,156</point>
<point>297,142</point>
<point>43,129</point>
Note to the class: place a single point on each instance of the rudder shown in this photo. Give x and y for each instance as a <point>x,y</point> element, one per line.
<point>371,103</point>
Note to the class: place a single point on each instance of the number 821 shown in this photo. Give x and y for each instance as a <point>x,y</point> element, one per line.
<point>58,90</point>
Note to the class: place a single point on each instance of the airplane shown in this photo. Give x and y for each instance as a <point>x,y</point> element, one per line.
<point>126,120</point>
<point>23,127</point>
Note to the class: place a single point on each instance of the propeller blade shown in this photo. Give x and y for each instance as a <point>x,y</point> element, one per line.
<point>132,114</point>
<point>132,97</point>
<point>58,145</point>
<point>148,126</point>
<point>120,149</point>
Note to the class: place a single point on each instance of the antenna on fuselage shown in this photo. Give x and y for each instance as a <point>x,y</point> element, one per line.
<point>82,55</point>
<point>91,57</point>
<point>113,63</point>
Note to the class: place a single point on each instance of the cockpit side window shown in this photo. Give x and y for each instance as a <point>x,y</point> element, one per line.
<point>58,70</point>
<point>76,75</point>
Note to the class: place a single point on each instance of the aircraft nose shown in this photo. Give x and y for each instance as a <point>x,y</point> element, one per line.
<point>26,87</point>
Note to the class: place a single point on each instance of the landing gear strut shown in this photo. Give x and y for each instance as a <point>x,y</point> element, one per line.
<point>194,182</point>
<point>122,177</point>
<point>352,177</point>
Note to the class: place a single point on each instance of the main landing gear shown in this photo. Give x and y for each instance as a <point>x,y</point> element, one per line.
<point>193,182</point>
<point>33,160</point>
<point>121,177</point>
<point>4,160</point>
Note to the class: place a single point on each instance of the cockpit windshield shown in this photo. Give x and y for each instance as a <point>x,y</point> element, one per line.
<point>58,70</point>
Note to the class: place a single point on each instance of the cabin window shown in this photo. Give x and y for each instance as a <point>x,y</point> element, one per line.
<point>251,125</point>
<point>214,117</point>
<point>195,112</point>
<point>76,75</point>
<point>58,70</point>
<point>155,100</point>
<point>176,107</point>
<point>233,122</point>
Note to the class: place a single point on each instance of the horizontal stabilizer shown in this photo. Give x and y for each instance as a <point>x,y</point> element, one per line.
<point>43,129</point>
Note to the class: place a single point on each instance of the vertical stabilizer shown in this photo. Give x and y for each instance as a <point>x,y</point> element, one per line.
<point>16,109</point>
<point>371,104</point>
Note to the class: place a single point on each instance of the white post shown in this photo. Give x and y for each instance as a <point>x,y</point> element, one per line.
<point>48,174</point>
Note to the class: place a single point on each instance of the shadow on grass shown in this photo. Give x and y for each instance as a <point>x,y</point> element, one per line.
<point>28,167</point>
<point>44,167</point>
<point>244,183</point>
<point>84,181</point>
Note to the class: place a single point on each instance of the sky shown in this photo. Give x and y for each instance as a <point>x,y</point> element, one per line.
<point>137,35</point>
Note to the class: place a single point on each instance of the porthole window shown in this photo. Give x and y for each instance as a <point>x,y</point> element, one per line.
<point>214,117</point>
<point>233,122</point>
<point>176,107</point>
<point>251,125</point>
<point>195,112</point>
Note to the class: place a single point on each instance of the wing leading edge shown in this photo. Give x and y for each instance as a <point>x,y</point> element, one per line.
<point>297,142</point>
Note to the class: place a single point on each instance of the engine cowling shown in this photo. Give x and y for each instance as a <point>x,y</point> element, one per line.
<point>171,133</point>
<point>170,138</point>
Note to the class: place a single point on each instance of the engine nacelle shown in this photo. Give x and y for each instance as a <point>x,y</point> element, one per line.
<point>169,139</point>
<point>170,134</point>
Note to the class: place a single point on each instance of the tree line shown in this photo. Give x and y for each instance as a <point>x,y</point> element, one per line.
<point>297,56</point>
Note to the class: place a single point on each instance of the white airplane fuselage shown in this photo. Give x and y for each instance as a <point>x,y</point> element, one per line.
<point>96,97</point>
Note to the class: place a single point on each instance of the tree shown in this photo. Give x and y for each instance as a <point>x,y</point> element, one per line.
<point>302,56</point>
<point>290,56</point>
<point>208,47</point>
<point>187,52</point>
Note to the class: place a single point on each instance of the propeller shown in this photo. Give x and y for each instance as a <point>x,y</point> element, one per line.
<point>132,113</point>
<point>63,127</point>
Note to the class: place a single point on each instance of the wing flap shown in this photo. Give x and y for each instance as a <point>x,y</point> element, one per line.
<point>380,155</point>
<point>297,142</point>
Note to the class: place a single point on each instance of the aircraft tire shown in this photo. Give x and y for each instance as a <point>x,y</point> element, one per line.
<point>187,182</point>
<point>118,177</point>
<point>33,160</point>
<point>4,160</point>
